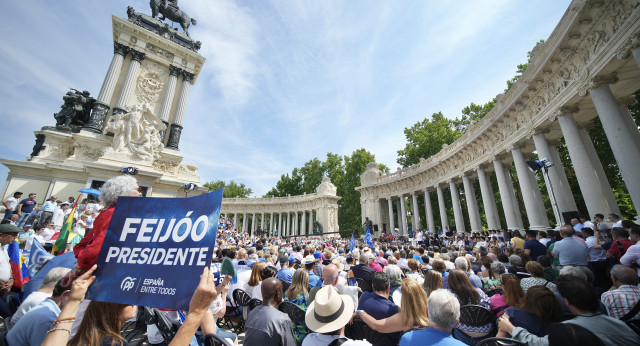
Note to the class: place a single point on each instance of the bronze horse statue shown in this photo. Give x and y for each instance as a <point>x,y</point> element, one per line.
<point>172,13</point>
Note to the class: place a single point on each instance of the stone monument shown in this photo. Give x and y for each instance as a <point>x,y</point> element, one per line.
<point>134,121</point>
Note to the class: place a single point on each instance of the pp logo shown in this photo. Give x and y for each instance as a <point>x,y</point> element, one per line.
<point>127,284</point>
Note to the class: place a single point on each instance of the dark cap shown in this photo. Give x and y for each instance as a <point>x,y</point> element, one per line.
<point>9,228</point>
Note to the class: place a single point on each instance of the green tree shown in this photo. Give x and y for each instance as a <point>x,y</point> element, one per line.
<point>426,138</point>
<point>231,190</point>
<point>344,172</point>
<point>521,68</point>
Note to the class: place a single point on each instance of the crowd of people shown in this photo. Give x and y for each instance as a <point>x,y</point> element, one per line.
<point>578,284</point>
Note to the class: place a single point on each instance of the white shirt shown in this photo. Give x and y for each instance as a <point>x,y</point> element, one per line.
<point>5,265</point>
<point>58,217</point>
<point>29,243</point>
<point>12,202</point>
<point>31,302</point>
<point>589,224</point>
<point>617,224</point>
<point>632,256</point>
<point>596,254</point>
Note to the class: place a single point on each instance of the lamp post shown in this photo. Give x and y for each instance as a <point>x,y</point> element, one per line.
<point>544,164</point>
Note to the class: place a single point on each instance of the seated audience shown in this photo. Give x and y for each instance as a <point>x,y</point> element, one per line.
<point>467,294</point>
<point>540,308</point>
<point>443,310</point>
<point>537,277</point>
<point>377,303</point>
<point>298,293</point>
<point>266,325</point>
<point>626,295</point>
<point>432,282</point>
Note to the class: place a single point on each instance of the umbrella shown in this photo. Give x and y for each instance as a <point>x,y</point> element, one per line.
<point>90,191</point>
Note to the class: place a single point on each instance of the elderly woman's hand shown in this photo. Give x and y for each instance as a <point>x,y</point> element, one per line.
<point>205,293</point>
<point>504,324</point>
<point>81,284</point>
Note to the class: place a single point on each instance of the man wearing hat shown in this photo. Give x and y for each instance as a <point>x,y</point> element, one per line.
<point>309,263</point>
<point>8,234</point>
<point>327,316</point>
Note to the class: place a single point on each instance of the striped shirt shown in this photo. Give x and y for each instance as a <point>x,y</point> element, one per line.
<point>622,300</point>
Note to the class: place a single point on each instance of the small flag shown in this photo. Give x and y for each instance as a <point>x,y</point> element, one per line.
<point>37,258</point>
<point>18,266</point>
<point>61,243</point>
<point>367,238</point>
<point>352,244</point>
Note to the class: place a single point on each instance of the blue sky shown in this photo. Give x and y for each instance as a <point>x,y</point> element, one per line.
<point>284,81</point>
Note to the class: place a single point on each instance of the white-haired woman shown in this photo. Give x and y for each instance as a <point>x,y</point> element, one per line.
<point>87,250</point>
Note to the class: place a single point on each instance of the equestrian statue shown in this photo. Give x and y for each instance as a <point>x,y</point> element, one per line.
<point>169,10</point>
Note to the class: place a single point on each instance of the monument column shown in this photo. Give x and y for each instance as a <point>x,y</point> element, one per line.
<point>472,204</point>
<point>443,210</point>
<point>623,138</point>
<point>530,193</point>
<point>403,214</point>
<point>244,223</point>
<point>288,223</point>
<point>557,183</point>
<point>235,221</point>
<point>167,102</point>
<point>416,212</point>
<point>457,208</point>
<point>280,233</point>
<point>262,226</point>
<point>488,200</point>
<point>428,209</point>
<point>636,55</point>
<point>392,226</point>
<point>176,127</point>
<point>303,230</point>
<point>129,81</point>
<point>101,105</point>
<point>311,221</point>
<point>253,224</point>
<point>271,225</point>
<point>506,195</point>
<point>593,184</point>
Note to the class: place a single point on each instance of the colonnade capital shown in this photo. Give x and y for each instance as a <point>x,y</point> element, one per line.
<point>599,81</point>
<point>633,43</point>
<point>119,48</point>
<point>174,70</point>
<point>564,110</point>
<point>137,55</point>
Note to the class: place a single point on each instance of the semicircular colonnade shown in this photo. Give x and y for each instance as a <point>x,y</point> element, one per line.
<point>587,68</point>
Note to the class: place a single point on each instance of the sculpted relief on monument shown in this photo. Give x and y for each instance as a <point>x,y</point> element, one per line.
<point>150,82</point>
<point>137,131</point>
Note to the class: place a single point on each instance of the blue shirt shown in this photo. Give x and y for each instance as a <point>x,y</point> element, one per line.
<point>536,247</point>
<point>49,206</point>
<point>429,336</point>
<point>379,307</point>
<point>285,275</point>
<point>570,252</point>
<point>28,205</point>
<point>314,280</point>
<point>32,328</point>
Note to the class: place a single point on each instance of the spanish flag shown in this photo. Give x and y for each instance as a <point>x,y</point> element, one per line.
<point>61,243</point>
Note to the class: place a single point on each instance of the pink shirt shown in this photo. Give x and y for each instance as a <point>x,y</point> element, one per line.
<point>375,266</point>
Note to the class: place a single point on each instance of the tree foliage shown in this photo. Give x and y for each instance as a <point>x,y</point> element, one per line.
<point>344,172</point>
<point>231,190</point>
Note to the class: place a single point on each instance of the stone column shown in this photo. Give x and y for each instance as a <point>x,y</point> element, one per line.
<point>169,92</point>
<point>514,198</point>
<point>391,225</point>
<point>311,221</point>
<point>594,185</point>
<point>530,193</point>
<point>296,228</point>
<point>415,212</point>
<point>262,227</point>
<point>443,210</point>
<point>244,222</point>
<point>129,81</point>
<point>271,225</point>
<point>398,210</point>
<point>472,204</point>
<point>101,106</point>
<point>636,56</point>
<point>403,214</point>
<point>624,139</point>
<point>235,221</point>
<point>280,234</point>
<point>488,201</point>
<point>303,230</point>
<point>176,127</point>
<point>253,224</point>
<point>457,208</point>
<point>506,194</point>
<point>555,178</point>
<point>428,209</point>
<point>289,224</point>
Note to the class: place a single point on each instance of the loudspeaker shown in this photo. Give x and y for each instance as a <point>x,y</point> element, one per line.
<point>568,215</point>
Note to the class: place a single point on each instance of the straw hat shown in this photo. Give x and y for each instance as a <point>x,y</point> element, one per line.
<point>309,259</point>
<point>329,311</point>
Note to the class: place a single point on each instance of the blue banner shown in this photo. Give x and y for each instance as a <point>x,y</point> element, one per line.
<point>155,250</point>
<point>352,244</point>
<point>37,258</point>
<point>367,239</point>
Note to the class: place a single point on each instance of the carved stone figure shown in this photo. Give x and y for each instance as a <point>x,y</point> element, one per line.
<point>171,11</point>
<point>137,131</point>
<point>74,111</point>
<point>367,225</point>
<point>317,228</point>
